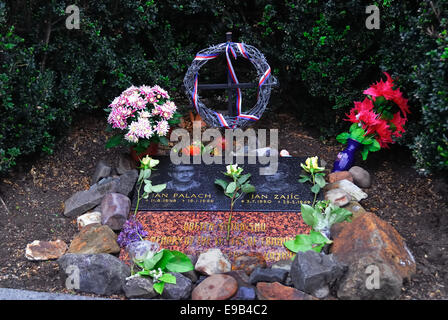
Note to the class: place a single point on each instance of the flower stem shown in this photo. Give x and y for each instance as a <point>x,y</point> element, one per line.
<point>138,198</point>
<point>315,194</point>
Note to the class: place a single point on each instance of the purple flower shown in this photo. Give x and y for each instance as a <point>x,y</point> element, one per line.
<point>132,231</point>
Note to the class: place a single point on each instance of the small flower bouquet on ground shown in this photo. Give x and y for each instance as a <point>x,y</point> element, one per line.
<point>144,115</point>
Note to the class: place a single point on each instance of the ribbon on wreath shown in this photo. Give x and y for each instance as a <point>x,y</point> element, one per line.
<point>229,50</point>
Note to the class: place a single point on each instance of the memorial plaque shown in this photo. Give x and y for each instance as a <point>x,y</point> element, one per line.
<point>192,187</point>
<point>191,215</point>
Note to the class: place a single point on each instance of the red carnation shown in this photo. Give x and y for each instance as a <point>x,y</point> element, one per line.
<point>385,89</point>
<point>398,122</point>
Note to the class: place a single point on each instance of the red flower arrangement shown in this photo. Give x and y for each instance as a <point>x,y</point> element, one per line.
<point>379,118</point>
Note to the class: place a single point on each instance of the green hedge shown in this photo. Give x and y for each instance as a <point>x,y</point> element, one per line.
<point>321,51</point>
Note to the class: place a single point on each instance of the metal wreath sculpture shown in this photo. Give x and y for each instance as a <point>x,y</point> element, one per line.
<point>266,81</point>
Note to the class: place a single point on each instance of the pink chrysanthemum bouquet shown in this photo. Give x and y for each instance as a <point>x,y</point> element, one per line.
<point>144,115</point>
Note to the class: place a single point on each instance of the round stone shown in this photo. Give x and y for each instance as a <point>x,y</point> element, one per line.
<point>360,176</point>
<point>215,287</point>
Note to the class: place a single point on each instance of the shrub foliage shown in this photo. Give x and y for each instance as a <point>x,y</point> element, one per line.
<point>321,51</point>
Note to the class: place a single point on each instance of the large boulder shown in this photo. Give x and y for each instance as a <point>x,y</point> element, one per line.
<point>101,274</point>
<point>315,273</point>
<point>372,248</point>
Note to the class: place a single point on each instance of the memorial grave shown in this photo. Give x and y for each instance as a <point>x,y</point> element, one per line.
<point>191,214</point>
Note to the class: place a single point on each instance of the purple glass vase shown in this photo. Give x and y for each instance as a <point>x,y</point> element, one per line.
<point>346,158</point>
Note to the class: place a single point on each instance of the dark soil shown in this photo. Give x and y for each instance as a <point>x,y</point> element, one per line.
<point>32,196</point>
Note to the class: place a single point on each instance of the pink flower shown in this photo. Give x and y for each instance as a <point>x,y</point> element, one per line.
<point>118,117</point>
<point>165,110</point>
<point>141,128</point>
<point>159,91</point>
<point>162,128</point>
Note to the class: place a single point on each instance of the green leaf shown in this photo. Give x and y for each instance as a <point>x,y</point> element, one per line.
<point>364,153</point>
<point>358,134</point>
<point>150,263</point>
<point>159,187</point>
<point>244,178</point>
<point>163,141</point>
<point>179,262</point>
<point>304,178</point>
<point>114,141</point>
<point>320,180</point>
<point>231,187</point>
<point>300,243</point>
<point>166,257</point>
<point>143,272</point>
<point>375,146</point>
<point>315,188</point>
<point>144,174</point>
<point>317,237</point>
<point>158,287</point>
<point>308,214</point>
<point>168,278</point>
<point>221,183</point>
<point>247,188</point>
<point>367,141</point>
<point>343,137</point>
<point>148,188</point>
